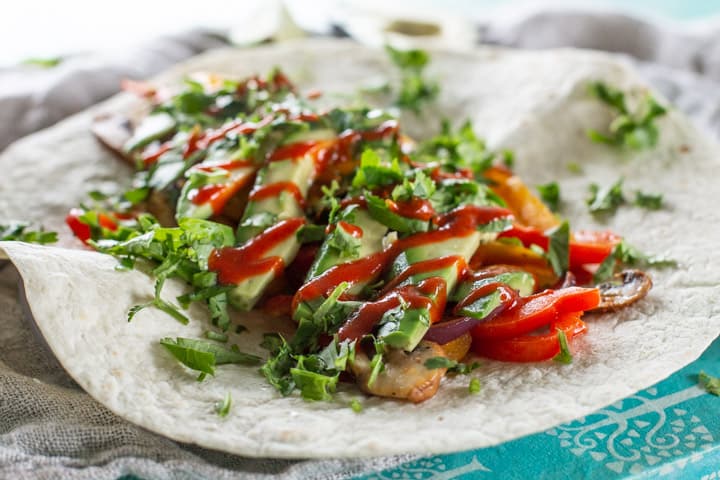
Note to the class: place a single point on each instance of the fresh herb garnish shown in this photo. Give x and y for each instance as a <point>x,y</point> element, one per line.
<point>356,406</point>
<point>550,195</point>
<point>19,231</point>
<point>625,255</point>
<point>558,253</point>
<point>474,386</point>
<point>204,356</point>
<point>376,172</point>
<point>565,356</point>
<point>648,200</point>
<point>49,62</point>
<point>414,90</point>
<point>709,383</point>
<point>223,408</point>
<point>636,130</point>
<point>452,366</point>
<point>605,200</point>
<point>216,336</point>
<point>574,167</point>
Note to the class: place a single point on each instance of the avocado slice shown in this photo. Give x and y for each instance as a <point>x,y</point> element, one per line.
<point>404,332</point>
<point>370,242</point>
<point>151,128</point>
<point>245,294</point>
<point>263,213</point>
<point>519,280</point>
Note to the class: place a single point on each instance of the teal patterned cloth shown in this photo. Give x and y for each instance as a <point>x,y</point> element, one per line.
<point>671,430</point>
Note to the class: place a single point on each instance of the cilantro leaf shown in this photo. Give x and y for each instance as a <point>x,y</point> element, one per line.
<point>314,386</point>
<point>421,187</point>
<point>451,365</point>
<point>624,255</point>
<point>474,386</point>
<point>648,200</point>
<point>636,130</point>
<point>216,336</point>
<point>374,172</point>
<point>709,383</point>
<point>550,195</point>
<point>558,253</point>
<point>18,231</point>
<point>380,211</point>
<point>356,406</point>
<point>605,199</point>
<point>565,356</point>
<point>204,356</point>
<point>414,90</point>
<point>223,408</point>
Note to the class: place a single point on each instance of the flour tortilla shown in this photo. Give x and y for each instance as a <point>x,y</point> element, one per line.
<point>533,102</point>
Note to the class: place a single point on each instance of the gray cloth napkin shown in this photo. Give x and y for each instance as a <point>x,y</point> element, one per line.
<point>49,428</point>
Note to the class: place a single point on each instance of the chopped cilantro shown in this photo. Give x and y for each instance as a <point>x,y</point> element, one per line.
<point>649,200</point>
<point>451,365</point>
<point>355,405</point>
<point>49,62</point>
<point>421,187</point>
<point>565,356</point>
<point>19,231</point>
<point>550,195</point>
<point>414,90</point>
<point>204,356</point>
<point>474,386</point>
<point>310,233</point>
<point>624,254</point>
<point>558,253</point>
<point>376,172</point>
<point>223,408</point>
<point>605,199</point>
<point>709,383</point>
<point>217,336</point>
<point>636,130</point>
<point>508,158</point>
<point>574,167</point>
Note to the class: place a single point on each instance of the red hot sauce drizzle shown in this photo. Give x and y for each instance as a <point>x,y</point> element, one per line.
<point>430,294</point>
<point>235,264</point>
<point>457,223</point>
<point>275,189</point>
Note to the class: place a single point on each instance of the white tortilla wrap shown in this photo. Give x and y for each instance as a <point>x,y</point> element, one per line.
<point>533,102</point>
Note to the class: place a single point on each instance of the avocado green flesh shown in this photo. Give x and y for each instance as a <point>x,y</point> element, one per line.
<point>521,281</point>
<point>152,127</point>
<point>407,333</point>
<point>483,306</point>
<point>245,294</point>
<point>370,242</point>
<point>317,135</point>
<point>301,172</point>
<point>409,329</point>
<point>187,209</point>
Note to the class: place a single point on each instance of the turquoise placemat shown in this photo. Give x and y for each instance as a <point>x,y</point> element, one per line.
<point>671,429</point>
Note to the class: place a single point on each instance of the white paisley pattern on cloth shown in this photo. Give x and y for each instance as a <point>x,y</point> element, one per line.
<point>639,432</point>
<point>431,468</point>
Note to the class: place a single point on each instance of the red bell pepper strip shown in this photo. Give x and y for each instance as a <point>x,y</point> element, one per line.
<point>586,247</point>
<point>536,311</point>
<point>82,230</point>
<point>533,348</point>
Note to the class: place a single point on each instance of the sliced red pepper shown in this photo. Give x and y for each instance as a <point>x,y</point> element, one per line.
<point>586,247</point>
<point>537,311</point>
<point>533,348</point>
<point>82,230</point>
